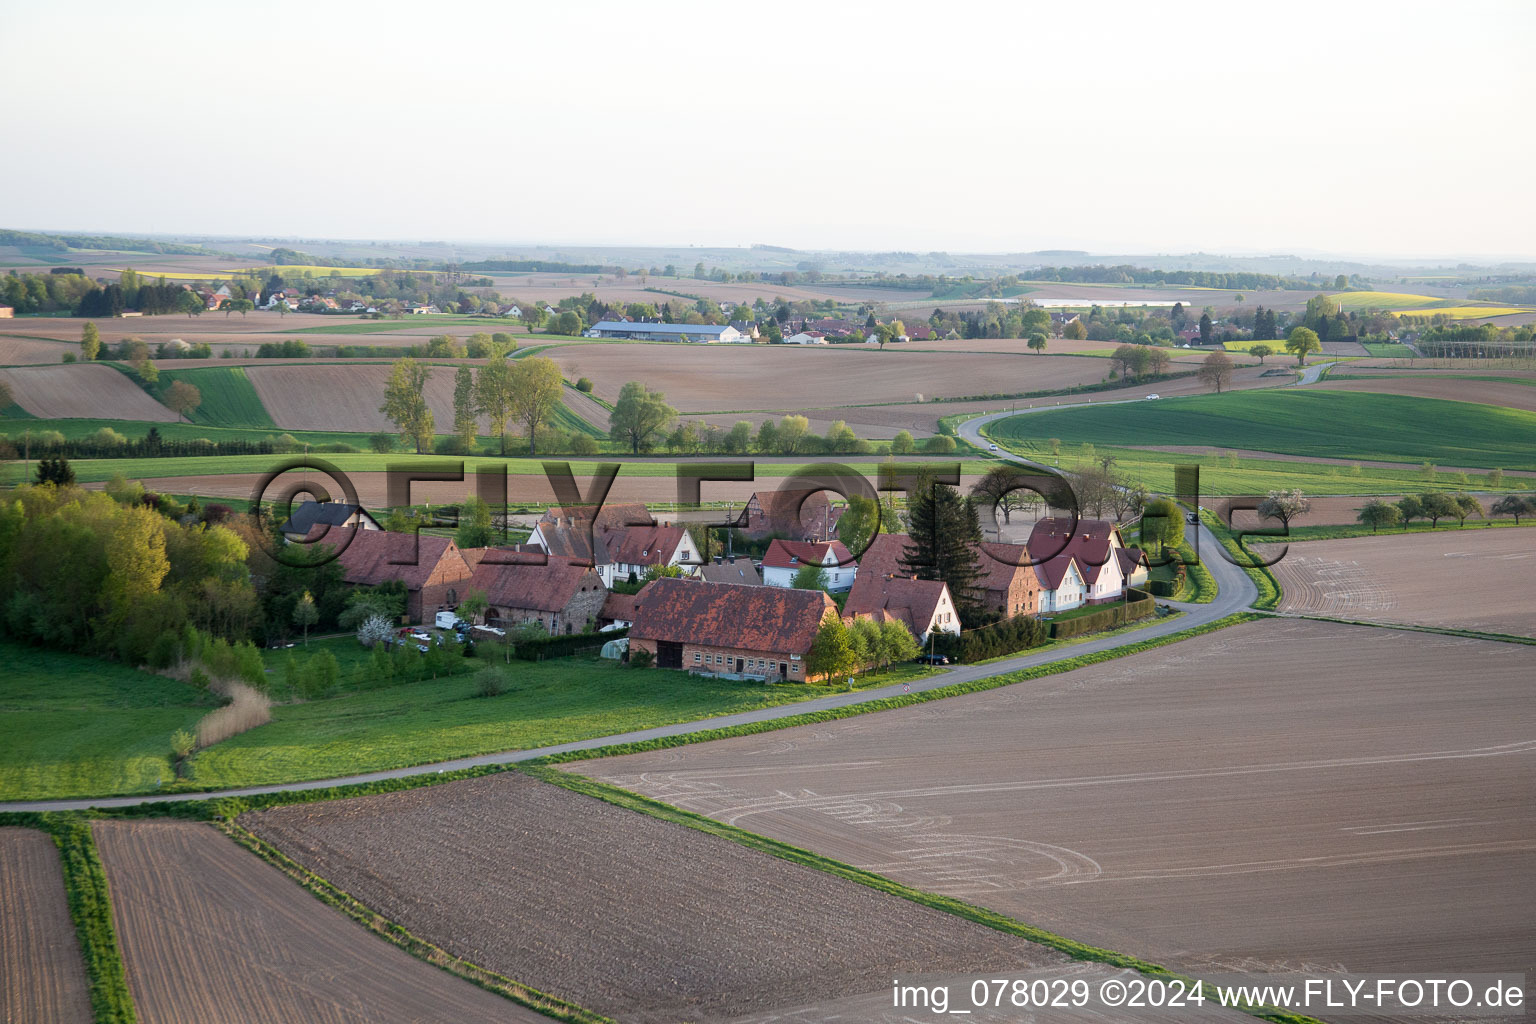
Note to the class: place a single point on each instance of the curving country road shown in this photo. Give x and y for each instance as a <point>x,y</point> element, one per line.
<point>1236,592</point>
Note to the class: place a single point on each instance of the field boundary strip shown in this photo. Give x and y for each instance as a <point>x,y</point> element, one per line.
<point>90,906</point>
<point>1469,634</point>
<point>631,801</point>
<point>397,935</point>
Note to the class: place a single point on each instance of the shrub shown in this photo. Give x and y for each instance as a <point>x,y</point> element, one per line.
<point>489,683</point>
<point>1141,606</point>
<point>1005,637</point>
<point>382,444</point>
<point>640,657</point>
<point>182,744</point>
<point>374,630</point>
<point>584,385</point>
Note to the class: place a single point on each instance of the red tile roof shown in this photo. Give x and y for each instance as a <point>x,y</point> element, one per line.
<point>619,607</point>
<point>909,601</point>
<point>644,545</point>
<point>610,516</point>
<point>792,554</point>
<point>1090,545</point>
<point>516,580</point>
<point>773,619</point>
<point>372,557</point>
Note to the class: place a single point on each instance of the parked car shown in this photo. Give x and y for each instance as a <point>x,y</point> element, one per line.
<point>932,659</point>
<point>991,447</point>
<point>420,634</point>
<point>1153,398</point>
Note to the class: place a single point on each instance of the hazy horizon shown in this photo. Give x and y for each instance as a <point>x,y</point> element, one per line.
<point>1371,131</point>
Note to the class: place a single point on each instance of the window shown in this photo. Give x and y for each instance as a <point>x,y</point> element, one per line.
<point>696,657</point>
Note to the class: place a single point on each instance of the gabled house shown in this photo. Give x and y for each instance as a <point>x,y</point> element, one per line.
<point>784,558</point>
<point>747,329</point>
<point>435,575</point>
<point>326,513</point>
<point>560,595</point>
<point>1093,546</point>
<point>617,540</point>
<point>799,514</point>
<point>1061,585</point>
<point>1008,584</point>
<point>923,606</point>
<point>807,338</point>
<point>513,311</point>
<point>730,630</point>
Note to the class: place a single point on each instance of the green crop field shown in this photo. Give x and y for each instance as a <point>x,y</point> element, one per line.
<point>1470,312</point>
<point>1333,424</point>
<point>1388,350</point>
<point>229,400</point>
<point>1278,347</point>
<point>1385,300</point>
<point>74,726</point>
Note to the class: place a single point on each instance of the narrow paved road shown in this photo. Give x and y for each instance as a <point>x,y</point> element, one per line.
<point>1236,592</point>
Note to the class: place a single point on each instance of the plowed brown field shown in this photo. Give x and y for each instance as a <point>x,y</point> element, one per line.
<point>42,978</point>
<point>341,396</point>
<point>711,378</point>
<point>82,391</point>
<point>1486,392</point>
<point>212,934</point>
<point>627,915</point>
<point>1276,794</point>
<point>1464,578</point>
<point>31,352</point>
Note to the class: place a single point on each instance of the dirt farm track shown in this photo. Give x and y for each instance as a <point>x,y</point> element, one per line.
<point>1406,579</point>
<point>42,977</point>
<point>212,934</point>
<point>1260,798</point>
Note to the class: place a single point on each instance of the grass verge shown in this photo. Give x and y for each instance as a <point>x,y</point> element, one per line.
<point>1244,557</point>
<point>90,905</point>
<point>389,931</point>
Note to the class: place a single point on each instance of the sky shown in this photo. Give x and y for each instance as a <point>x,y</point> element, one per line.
<point>1364,128</point>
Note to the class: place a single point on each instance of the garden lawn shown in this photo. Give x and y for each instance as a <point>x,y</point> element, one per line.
<point>74,726</point>
<point>1333,424</point>
<point>544,703</point>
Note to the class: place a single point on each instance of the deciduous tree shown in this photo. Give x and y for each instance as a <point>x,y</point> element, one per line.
<point>1377,513</point>
<point>1302,342</point>
<point>90,342</point>
<point>405,403</point>
<point>537,388</point>
<point>640,417</point>
<point>465,423</point>
<point>1284,505</point>
<point>183,398</point>
<point>1216,371</point>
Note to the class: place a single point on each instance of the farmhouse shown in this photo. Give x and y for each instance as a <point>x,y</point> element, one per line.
<point>699,333</point>
<point>747,329</point>
<point>787,557</point>
<point>1008,585</point>
<point>559,594</point>
<point>923,606</point>
<point>799,514</point>
<point>617,539</point>
<point>433,571</point>
<point>807,338</point>
<point>326,513</point>
<point>1095,548</point>
<point>725,629</point>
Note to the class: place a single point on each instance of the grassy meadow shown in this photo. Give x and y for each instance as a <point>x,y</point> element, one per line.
<point>75,726</point>
<point>229,399</point>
